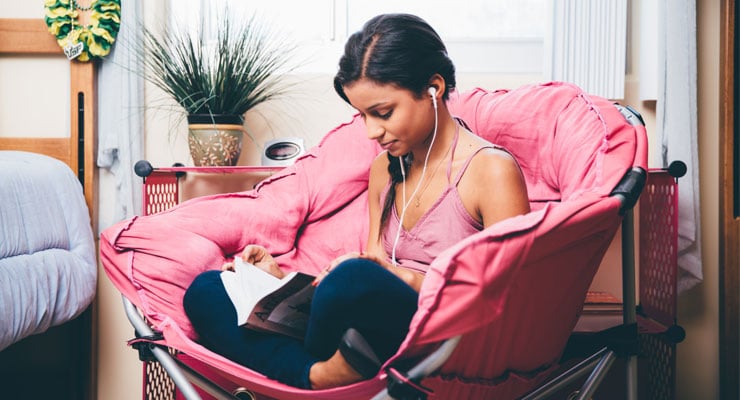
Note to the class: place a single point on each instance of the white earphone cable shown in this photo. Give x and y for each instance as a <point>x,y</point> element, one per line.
<point>418,185</point>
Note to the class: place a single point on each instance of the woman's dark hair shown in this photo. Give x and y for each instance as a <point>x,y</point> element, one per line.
<point>398,49</point>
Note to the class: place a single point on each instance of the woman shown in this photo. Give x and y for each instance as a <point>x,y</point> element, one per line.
<point>435,184</point>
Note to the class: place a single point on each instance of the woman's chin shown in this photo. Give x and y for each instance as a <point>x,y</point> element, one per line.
<point>396,151</point>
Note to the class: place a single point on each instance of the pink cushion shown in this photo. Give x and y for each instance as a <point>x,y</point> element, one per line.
<point>565,140</point>
<point>153,259</point>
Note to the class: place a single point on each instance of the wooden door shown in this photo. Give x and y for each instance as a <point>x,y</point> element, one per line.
<point>729,254</point>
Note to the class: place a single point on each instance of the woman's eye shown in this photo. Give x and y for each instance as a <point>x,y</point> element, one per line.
<point>385,115</point>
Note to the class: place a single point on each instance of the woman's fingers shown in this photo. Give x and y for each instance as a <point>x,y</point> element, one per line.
<point>321,276</point>
<point>377,259</point>
<point>342,259</point>
<point>229,266</point>
<point>253,253</point>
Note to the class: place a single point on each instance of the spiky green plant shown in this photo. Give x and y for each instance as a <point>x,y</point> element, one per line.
<point>230,74</point>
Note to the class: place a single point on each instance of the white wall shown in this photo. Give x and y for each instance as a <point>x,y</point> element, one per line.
<point>698,308</point>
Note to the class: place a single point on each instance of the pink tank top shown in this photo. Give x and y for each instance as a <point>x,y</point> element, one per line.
<point>444,224</point>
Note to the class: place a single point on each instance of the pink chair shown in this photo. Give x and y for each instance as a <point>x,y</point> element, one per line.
<point>495,311</point>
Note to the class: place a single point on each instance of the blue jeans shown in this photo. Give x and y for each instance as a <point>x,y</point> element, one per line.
<point>357,294</point>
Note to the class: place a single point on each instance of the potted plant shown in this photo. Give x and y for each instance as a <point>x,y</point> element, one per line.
<point>216,79</point>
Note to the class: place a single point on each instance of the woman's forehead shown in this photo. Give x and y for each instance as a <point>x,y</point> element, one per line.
<point>364,93</point>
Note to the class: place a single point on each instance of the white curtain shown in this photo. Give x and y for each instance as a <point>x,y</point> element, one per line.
<point>676,123</point>
<point>121,114</point>
<point>588,45</point>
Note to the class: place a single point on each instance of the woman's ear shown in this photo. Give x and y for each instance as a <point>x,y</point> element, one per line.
<point>438,83</point>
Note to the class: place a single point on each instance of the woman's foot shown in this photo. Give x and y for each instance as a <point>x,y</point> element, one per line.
<point>332,373</point>
<point>354,361</point>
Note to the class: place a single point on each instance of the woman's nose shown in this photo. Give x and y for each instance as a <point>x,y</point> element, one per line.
<point>374,130</point>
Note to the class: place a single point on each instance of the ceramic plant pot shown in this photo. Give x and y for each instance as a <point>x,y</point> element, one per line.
<point>215,140</point>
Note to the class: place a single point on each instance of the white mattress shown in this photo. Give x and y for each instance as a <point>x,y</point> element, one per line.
<point>48,268</point>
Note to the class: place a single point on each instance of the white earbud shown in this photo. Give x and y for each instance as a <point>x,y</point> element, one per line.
<point>433,93</point>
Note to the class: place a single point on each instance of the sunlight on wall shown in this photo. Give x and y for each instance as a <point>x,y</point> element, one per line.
<point>21,9</point>
<point>22,99</point>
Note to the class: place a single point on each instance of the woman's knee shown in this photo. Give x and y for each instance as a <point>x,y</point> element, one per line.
<point>203,294</point>
<point>354,269</point>
<point>350,282</point>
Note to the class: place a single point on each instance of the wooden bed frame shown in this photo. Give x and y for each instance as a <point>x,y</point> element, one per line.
<point>66,352</point>
<point>30,37</point>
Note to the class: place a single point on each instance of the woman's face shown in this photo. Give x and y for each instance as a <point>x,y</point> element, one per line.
<point>395,117</point>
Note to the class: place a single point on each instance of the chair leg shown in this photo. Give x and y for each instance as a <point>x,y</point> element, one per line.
<point>566,378</point>
<point>424,368</point>
<point>628,297</point>
<point>631,378</point>
<point>181,374</point>
<point>598,374</point>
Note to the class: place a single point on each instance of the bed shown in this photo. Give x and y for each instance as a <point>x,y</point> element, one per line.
<point>48,270</point>
<point>48,261</point>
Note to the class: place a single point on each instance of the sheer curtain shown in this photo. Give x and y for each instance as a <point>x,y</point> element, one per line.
<point>121,114</point>
<point>588,45</point>
<point>676,121</point>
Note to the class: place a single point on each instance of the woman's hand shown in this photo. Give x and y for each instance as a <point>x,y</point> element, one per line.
<point>259,257</point>
<point>381,260</point>
<point>412,278</point>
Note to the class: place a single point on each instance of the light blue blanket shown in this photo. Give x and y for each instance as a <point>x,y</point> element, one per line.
<point>48,268</point>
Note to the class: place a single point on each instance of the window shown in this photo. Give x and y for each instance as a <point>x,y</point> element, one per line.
<point>583,42</point>
<point>484,36</point>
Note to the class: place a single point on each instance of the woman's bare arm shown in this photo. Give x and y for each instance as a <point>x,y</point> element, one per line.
<point>495,186</point>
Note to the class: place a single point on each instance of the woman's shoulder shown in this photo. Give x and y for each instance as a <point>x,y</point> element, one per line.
<point>494,161</point>
<point>496,154</point>
<point>379,171</point>
<point>489,160</point>
<point>494,183</point>
<point>487,154</point>
<point>379,165</point>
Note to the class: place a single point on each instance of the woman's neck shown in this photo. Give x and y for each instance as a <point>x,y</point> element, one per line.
<point>447,126</point>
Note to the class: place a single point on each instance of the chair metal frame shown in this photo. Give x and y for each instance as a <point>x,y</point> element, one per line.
<point>184,376</point>
<point>621,341</point>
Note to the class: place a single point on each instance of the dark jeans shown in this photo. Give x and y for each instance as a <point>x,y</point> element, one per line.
<point>357,293</point>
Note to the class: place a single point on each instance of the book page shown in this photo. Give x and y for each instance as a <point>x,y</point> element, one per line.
<point>285,310</point>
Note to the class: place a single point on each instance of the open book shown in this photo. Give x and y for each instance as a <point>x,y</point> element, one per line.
<point>266,303</point>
